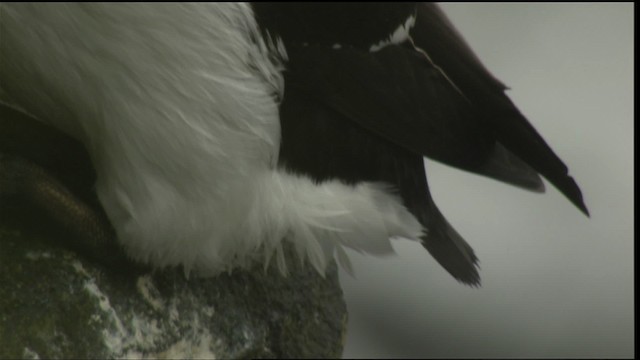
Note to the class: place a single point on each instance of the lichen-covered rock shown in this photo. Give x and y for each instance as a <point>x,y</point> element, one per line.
<point>55,304</point>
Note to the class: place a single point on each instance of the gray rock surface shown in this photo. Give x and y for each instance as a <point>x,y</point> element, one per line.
<point>55,304</point>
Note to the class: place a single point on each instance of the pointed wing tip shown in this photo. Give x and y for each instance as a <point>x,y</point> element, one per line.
<point>572,191</point>
<point>583,208</point>
<point>578,201</point>
<point>471,279</point>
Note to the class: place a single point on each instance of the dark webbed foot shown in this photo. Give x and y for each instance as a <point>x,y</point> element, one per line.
<point>47,174</point>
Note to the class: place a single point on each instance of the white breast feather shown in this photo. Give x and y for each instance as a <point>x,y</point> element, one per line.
<point>176,104</point>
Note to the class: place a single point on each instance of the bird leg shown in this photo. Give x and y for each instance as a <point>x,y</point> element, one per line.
<point>27,184</point>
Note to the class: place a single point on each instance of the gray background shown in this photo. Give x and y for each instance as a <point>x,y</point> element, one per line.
<point>555,284</point>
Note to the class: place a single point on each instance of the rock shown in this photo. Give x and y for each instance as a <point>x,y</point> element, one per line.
<point>55,304</point>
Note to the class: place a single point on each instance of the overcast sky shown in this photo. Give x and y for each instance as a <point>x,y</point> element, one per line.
<point>555,283</point>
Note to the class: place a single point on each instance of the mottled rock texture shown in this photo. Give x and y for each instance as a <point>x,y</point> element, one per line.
<point>54,304</point>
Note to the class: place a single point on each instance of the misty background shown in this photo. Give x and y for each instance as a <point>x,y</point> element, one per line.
<point>554,283</point>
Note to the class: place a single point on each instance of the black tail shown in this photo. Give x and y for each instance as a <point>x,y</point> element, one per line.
<point>450,250</point>
<point>442,241</point>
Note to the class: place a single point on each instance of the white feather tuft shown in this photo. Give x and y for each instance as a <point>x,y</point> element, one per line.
<point>321,219</point>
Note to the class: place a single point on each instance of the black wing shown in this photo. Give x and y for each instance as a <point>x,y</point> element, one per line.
<point>434,34</point>
<point>433,99</point>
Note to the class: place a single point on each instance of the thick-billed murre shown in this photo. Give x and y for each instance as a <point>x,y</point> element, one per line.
<point>220,130</point>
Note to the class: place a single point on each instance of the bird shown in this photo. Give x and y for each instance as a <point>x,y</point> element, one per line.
<point>220,132</point>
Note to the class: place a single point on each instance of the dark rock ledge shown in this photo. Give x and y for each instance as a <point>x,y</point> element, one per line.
<point>55,304</point>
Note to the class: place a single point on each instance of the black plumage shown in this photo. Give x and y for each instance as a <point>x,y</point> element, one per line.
<point>508,128</point>
<point>329,23</point>
<point>352,114</point>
